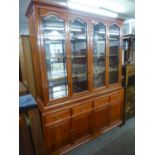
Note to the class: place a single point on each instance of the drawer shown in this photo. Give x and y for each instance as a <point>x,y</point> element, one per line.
<point>82,108</point>
<point>101,101</point>
<point>118,96</point>
<point>57,116</point>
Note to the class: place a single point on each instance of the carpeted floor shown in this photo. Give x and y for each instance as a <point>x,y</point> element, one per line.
<point>118,141</point>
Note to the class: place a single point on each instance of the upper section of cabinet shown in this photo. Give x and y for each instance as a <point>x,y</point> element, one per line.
<point>76,53</point>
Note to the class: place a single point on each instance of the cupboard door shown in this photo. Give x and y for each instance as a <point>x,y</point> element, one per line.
<point>54,40</point>
<point>100,118</point>
<point>99,56</point>
<point>58,135</point>
<point>79,51</point>
<point>81,125</point>
<point>114,45</point>
<point>115,111</point>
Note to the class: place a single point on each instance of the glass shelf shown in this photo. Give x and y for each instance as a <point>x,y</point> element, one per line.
<point>78,66</point>
<point>79,56</point>
<point>58,91</point>
<point>99,72</point>
<point>113,69</point>
<point>56,57</point>
<point>99,55</point>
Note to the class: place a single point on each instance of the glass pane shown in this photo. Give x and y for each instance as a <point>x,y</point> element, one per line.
<point>99,47</point>
<point>114,43</point>
<point>78,39</point>
<point>54,44</point>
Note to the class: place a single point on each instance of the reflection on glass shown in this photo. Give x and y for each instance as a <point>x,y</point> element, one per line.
<point>114,43</point>
<point>99,44</point>
<point>78,39</point>
<point>54,44</point>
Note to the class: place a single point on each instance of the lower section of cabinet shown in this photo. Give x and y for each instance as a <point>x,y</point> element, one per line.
<point>68,127</point>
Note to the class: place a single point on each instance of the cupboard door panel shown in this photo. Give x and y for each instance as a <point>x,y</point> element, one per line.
<point>81,126</point>
<point>100,118</point>
<point>58,135</point>
<point>115,111</point>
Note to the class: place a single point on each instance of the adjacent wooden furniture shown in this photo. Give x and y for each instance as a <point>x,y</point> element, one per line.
<point>129,75</point>
<point>22,89</point>
<point>77,68</point>
<point>129,72</point>
<point>26,64</point>
<point>30,130</point>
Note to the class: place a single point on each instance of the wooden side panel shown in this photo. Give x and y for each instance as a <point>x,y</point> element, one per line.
<point>35,57</point>
<point>58,135</point>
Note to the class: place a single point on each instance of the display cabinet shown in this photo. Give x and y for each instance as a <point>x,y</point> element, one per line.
<point>77,68</point>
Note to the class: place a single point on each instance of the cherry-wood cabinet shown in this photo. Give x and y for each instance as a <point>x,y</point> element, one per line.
<point>77,69</point>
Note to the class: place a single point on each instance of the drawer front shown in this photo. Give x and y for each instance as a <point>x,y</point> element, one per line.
<point>82,108</point>
<point>57,116</point>
<point>118,96</point>
<point>101,101</point>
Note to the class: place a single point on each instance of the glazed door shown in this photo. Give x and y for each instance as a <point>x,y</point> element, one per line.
<point>79,55</point>
<point>114,48</point>
<point>54,44</point>
<point>99,54</point>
